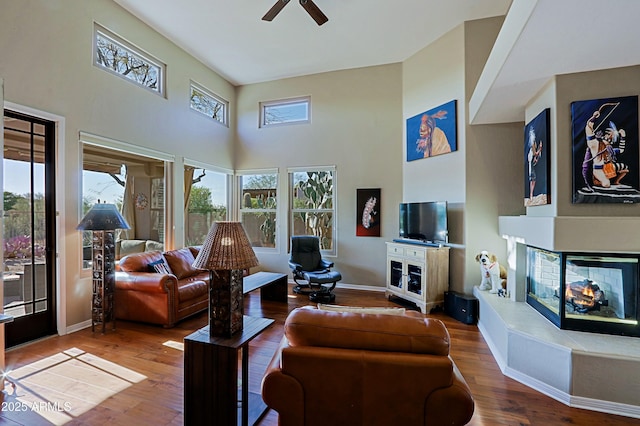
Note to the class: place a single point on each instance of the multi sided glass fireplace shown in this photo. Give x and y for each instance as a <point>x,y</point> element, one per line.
<point>585,292</point>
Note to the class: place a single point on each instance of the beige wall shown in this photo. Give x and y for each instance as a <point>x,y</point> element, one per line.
<point>47,65</point>
<point>494,162</point>
<point>432,77</point>
<point>356,126</point>
<point>483,178</point>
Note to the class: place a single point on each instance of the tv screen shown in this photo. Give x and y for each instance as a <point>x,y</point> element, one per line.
<point>426,221</point>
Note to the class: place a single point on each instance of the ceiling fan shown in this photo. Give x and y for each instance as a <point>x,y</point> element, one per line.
<point>311,8</point>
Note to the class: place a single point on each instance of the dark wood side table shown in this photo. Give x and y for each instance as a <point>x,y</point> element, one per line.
<point>211,377</point>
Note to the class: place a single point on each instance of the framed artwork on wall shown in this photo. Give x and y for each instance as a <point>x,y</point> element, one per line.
<point>605,150</point>
<point>368,212</point>
<point>432,132</point>
<point>536,160</point>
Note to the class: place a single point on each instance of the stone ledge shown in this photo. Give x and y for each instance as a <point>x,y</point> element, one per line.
<point>585,370</point>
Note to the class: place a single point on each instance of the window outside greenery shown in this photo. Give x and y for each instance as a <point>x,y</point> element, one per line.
<point>117,56</point>
<point>258,206</point>
<point>207,204</point>
<point>207,103</point>
<point>313,208</point>
<point>285,111</point>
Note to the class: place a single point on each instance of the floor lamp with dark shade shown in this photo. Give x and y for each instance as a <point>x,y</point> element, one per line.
<point>226,253</point>
<point>103,219</point>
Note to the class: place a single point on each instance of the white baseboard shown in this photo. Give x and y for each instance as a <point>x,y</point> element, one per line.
<point>77,327</point>
<point>361,287</point>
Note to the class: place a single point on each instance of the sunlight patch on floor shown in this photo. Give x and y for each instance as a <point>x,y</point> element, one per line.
<point>175,345</point>
<point>63,386</point>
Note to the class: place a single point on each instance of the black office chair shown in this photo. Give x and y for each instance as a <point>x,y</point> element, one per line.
<point>311,272</point>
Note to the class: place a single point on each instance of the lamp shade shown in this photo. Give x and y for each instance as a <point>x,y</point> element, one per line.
<point>227,247</point>
<point>102,217</point>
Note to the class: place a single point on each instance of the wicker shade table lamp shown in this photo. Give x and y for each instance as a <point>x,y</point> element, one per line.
<point>103,220</point>
<point>226,253</point>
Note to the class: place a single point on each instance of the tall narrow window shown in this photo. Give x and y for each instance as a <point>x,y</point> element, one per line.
<point>205,202</point>
<point>205,102</point>
<point>115,55</point>
<point>287,111</point>
<point>312,204</point>
<point>258,207</point>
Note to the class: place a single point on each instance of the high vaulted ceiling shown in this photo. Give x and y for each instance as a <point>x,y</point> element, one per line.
<point>540,39</point>
<point>230,37</point>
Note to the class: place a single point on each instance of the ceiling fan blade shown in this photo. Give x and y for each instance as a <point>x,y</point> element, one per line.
<point>314,11</point>
<point>275,9</point>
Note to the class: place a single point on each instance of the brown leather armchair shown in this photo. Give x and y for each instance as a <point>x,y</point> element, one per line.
<point>348,368</point>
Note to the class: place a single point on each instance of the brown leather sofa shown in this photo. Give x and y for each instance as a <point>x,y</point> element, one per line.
<point>346,368</point>
<point>160,298</point>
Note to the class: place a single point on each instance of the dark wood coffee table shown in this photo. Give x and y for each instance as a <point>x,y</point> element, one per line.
<point>272,285</point>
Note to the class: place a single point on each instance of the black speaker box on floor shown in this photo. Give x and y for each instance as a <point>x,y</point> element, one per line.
<point>461,307</point>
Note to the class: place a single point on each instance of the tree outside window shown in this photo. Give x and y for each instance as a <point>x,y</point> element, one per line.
<point>258,208</point>
<point>207,103</point>
<point>207,204</point>
<point>119,57</point>
<point>312,209</point>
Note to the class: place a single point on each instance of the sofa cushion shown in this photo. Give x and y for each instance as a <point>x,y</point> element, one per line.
<point>195,250</point>
<point>180,261</point>
<point>308,326</point>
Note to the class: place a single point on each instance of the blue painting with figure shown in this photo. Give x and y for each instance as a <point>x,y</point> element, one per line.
<point>432,132</point>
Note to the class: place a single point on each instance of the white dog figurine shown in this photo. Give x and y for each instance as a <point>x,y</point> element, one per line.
<point>494,275</point>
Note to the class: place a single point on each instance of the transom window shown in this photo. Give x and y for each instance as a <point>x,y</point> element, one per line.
<point>115,55</point>
<point>313,205</point>
<point>205,102</point>
<point>287,111</point>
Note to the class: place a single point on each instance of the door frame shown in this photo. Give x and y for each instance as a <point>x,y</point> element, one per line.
<point>60,171</point>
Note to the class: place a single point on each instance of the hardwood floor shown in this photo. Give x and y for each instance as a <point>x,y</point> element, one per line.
<point>134,375</point>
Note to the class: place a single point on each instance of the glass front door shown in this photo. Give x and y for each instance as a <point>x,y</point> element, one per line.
<point>28,227</point>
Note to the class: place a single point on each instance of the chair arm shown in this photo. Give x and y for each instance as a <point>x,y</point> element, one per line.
<point>325,264</point>
<point>295,266</point>
<point>441,403</point>
<point>146,296</point>
<point>149,282</point>
<point>281,392</point>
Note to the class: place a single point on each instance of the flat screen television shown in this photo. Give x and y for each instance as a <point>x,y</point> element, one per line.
<point>426,221</point>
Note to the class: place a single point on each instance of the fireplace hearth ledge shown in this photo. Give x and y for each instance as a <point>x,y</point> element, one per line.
<point>584,370</point>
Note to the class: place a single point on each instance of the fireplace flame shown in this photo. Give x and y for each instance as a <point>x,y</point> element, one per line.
<point>584,295</point>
